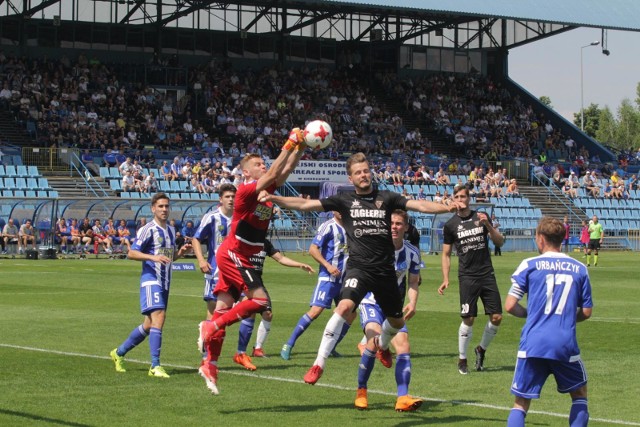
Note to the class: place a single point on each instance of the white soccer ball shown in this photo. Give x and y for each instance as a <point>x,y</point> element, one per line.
<point>318,134</point>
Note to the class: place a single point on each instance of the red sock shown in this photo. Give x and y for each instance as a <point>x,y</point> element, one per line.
<point>214,345</point>
<point>241,310</point>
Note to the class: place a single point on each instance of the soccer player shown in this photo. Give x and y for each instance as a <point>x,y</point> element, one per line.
<point>558,295</point>
<point>596,235</point>
<point>155,247</point>
<point>329,249</point>
<point>407,266</point>
<point>246,326</point>
<point>468,231</point>
<point>366,215</point>
<point>237,274</point>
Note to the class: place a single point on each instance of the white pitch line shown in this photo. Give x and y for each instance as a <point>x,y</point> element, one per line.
<point>331,386</point>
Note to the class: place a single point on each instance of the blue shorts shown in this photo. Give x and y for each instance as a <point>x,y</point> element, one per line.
<point>532,372</point>
<point>153,297</point>
<point>325,293</point>
<point>372,313</point>
<point>209,286</point>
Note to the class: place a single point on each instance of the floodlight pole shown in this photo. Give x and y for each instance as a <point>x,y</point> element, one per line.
<point>595,43</point>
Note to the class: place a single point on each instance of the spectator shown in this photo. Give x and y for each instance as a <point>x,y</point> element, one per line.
<point>27,235</point>
<point>87,160</point>
<point>128,182</point>
<point>10,236</point>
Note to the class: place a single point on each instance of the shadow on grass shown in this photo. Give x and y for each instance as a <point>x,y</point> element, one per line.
<point>41,418</point>
<point>423,416</point>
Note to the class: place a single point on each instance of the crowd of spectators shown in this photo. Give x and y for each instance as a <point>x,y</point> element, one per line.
<point>228,113</point>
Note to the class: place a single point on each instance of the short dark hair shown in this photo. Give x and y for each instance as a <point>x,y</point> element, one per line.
<point>460,187</point>
<point>226,188</point>
<point>158,196</point>
<point>355,158</point>
<point>552,229</point>
<point>403,214</point>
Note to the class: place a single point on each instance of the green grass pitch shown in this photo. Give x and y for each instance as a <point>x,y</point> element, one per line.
<point>60,319</point>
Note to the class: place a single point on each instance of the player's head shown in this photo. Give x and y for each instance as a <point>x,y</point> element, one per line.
<point>399,224</point>
<point>461,195</point>
<point>359,172</point>
<point>594,219</point>
<point>253,167</point>
<point>227,193</point>
<point>160,208</point>
<point>549,234</point>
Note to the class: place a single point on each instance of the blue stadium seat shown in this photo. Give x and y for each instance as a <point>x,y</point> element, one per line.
<point>175,186</point>
<point>31,194</point>
<point>33,171</point>
<point>43,183</point>
<point>2,170</point>
<point>9,183</point>
<point>7,193</point>
<point>32,183</point>
<point>19,194</point>
<point>10,170</point>
<point>21,184</point>
<point>22,171</point>
<point>104,172</point>
<point>115,185</point>
<point>42,194</point>
<point>165,187</point>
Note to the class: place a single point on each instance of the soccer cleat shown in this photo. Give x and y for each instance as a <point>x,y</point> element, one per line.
<point>258,352</point>
<point>285,353</point>
<point>384,356</point>
<point>361,348</point>
<point>313,374</point>
<point>209,372</point>
<point>158,372</point>
<point>117,360</point>
<point>243,359</point>
<point>588,265</point>
<point>407,403</point>
<point>361,399</point>
<point>480,358</point>
<point>462,366</point>
<point>201,348</point>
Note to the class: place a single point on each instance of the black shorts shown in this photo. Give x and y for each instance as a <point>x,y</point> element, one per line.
<point>485,288</point>
<point>382,282</point>
<point>594,244</point>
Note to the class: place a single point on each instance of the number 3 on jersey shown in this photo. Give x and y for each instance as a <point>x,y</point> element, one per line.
<point>554,280</point>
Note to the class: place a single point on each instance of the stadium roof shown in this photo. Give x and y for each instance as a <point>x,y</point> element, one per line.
<point>457,24</point>
<point>609,14</point>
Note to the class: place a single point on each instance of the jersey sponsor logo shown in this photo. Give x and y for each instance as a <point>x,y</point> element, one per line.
<point>472,232</point>
<point>368,223</point>
<point>168,252</point>
<point>370,232</point>
<point>356,204</point>
<point>367,213</point>
<point>379,203</point>
<point>263,212</point>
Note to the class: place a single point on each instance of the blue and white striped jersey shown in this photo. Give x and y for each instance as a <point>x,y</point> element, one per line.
<point>556,286</point>
<point>331,240</point>
<point>213,228</point>
<point>408,261</point>
<point>155,240</point>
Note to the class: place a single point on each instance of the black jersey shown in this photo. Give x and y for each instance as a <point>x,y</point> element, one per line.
<point>367,222</point>
<point>471,243</point>
<point>258,259</point>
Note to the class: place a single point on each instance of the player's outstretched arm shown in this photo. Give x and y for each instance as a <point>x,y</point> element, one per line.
<point>289,149</point>
<point>426,206</point>
<point>295,203</point>
<point>288,262</point>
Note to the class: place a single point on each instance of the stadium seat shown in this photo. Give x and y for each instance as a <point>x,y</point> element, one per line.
<point>31,194</point>
<point>2,171</point>
<point>43,184</point>
<point>9,183</point>
<point>19,194</point>
<point>21,183</point>
<point>104,172</point>
<point>22,171</point>
<point>10,171</point>
<point>32,183</point>
<point>33,172</point>
<point>42,194</point>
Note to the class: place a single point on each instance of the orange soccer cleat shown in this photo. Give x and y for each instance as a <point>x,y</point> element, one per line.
<point>313,374</point>
<point>244,360</point>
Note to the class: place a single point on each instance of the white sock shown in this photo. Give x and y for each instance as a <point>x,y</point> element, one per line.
<point>263,333</point>
<point>490,331</point>
<point>388,332</point>
<point>465,333</point>
<point>364,340</point>
<point>329,339</point>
